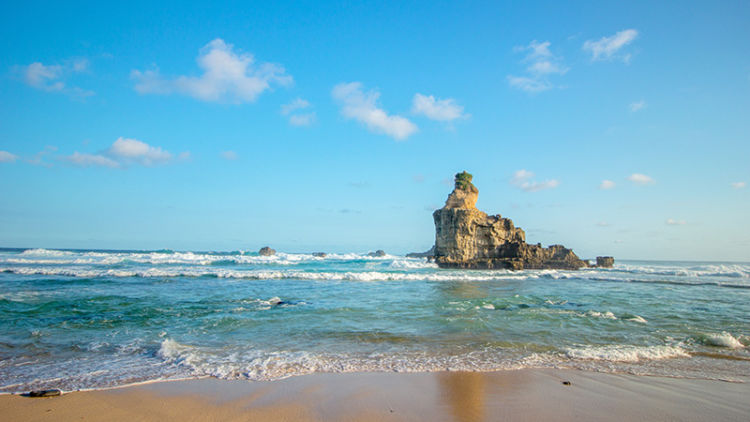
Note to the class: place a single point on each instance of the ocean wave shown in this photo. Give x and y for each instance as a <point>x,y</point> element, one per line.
<point>723,339</point>
<point>707,270</point>
<point>621,353</point>
<point>51,256</point>
<point>261,365</point>
<point>365,276</point>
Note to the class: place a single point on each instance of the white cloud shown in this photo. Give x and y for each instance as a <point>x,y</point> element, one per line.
<point>437,109</point>
<point>124,152</point>
<point>673,222</point>
<point>296,104</point>
<point>51,78</point>
<point>7,157</point>
<point>298,119</point>
<point>603,224</point>
<point>522,179</point>
<point>606,48</point>
<point>640,179</point>
<point>134,151</point>
<point>739,185</point>
<point>607,184</point>
<point>638,105</point>
<point>228,76</point>
<point>362,107</point>
<point>44,77</point>
<point>528,84</point>
<point>541,64</point>
<point>88,160</point>
<point>229,155</point>
<point>302,119</point>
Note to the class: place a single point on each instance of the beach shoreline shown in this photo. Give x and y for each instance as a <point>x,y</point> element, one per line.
<point>525,394</point>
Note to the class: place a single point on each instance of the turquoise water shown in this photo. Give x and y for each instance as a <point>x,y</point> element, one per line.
<point>97,319</point>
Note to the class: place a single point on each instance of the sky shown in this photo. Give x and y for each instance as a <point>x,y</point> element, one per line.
<point>614,128</point>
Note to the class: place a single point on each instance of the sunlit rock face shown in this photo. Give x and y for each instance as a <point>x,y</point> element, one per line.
<point>466,237</point>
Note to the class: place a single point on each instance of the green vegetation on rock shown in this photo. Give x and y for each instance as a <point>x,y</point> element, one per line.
<point>463,182</point>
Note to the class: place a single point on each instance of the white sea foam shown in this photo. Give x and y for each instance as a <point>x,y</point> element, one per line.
<point>596,314</point>
<point>412,264</point>
<point>637,318</point>
<point>622,353</point>
<point>364,276</point>
<point>51,256</point>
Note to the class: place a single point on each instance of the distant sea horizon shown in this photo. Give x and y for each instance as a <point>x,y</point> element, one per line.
<point>394,252</point>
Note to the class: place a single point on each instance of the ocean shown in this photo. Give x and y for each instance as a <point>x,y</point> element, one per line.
<point>88,319</point>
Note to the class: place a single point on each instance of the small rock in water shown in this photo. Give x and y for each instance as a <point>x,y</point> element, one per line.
<point>567,383</point>
<point>379,253</point>
<point>45,393</point>
<point>275,301</point>
<point>266,251</point>
<point>319,254</point>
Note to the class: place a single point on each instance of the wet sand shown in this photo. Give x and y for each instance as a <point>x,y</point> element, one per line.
<point>523,395</point>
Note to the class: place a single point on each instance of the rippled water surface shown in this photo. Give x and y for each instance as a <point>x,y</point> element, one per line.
<point>94,319</point>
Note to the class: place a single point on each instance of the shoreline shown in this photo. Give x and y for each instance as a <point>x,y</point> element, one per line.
<point>524,394</point>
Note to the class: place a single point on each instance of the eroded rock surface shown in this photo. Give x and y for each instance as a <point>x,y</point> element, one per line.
<point>466,237</point>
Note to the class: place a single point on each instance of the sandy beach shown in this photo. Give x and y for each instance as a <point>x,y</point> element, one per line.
<point>524,395</point>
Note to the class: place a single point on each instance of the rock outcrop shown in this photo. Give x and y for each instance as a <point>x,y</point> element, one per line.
<point>266,251</point>
<point>466,237</point>
<point>377,254</point>
<point>605,261</point>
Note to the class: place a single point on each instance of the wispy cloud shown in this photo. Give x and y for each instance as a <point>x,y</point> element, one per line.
<point>641,179</point>
<point>523,180</point>
<point>53,77</point>
<point>294,105</point>
<point>7,157</point>
<point>739,185</point>
<point>638,105</point>
<point>540,64</point>
<point>608,48</point>
<point>302,119</point>
<point>228,76</point>
<point>359,185</point>
<point>607,184</point>
<point>362,107</point>
<point>444,110</point>
<point>673,222</point>
<point>123,153</point>
<point>603,224</point>
<point>298,119</point>
<point>38,158</point>
<point>228,155</point>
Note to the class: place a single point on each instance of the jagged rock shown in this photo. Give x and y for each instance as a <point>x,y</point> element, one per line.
<point>377,254</point>
<point>605,261</point>
<point>425,254</point>
<point>266,251</point>
<point>466,237</point>
<point>319,254</point>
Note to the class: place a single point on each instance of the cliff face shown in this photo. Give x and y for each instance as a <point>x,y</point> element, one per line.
<point>466,237</point>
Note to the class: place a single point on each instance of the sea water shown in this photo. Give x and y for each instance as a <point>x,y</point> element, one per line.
<point>82,319</point>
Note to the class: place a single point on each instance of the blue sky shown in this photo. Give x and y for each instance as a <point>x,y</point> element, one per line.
<point>612,128</point>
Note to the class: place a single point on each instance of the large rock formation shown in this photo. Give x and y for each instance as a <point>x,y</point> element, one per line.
<point>466,237</point>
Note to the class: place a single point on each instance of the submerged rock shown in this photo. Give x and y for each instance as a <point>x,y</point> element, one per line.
<point>319,254</point>
<point>378,254</point>
<point>605,261</point>
<point>426,254</point>
<point>266,251</point>
<point>466,237</point>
